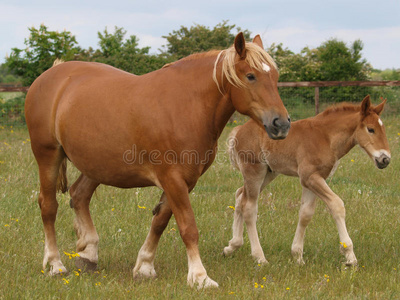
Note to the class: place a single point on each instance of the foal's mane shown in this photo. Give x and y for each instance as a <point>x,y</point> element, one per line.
<point>339,108</point>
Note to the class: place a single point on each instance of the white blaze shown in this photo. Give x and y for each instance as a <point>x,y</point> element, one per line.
<point>265,67</point>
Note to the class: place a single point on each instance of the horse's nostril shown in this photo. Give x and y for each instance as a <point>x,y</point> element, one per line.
<point>275,122</point>
<point>289,120</point>
<point>386,160</point>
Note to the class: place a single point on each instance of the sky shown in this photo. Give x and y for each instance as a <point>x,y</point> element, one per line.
<point>294,23</point>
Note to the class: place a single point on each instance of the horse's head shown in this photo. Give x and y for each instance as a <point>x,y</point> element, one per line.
<point>253,85</point>
<point>371,134</point>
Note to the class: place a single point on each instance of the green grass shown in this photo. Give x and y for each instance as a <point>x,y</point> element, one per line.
<point>371,197</point>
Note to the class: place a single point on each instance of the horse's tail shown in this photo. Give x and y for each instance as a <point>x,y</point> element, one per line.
<point>232,142</point>
<point>62,182</point>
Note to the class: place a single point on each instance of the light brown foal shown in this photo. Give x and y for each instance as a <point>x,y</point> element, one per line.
<point>311,151</point>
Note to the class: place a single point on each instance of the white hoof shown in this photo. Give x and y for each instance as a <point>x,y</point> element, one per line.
<point>57,269</point>
<point>262,261</point>
<point>201,283</point>
<point>228,251</point>
<point>144,271</point>
<point>208,283</point>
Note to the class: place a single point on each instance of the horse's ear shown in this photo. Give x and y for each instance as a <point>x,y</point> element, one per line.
<point>379,108</point>
<point>240,45</point>
<point>257,40</point>
<point>365,105</point>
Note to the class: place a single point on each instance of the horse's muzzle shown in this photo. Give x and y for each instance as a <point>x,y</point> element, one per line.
<point>278,129</point>
<point>382,161</point>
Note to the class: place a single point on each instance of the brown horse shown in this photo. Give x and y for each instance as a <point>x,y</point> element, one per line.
<point>311,151</point>
<point>159,129</point>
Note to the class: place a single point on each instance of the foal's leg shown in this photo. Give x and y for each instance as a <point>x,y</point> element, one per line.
<point>49,161</point>
<point>87,245</point>
<point>177,193</point>
<point>307,209</point>
<point>256,177</point>
<point>318,185</point>
<point>145,262</point>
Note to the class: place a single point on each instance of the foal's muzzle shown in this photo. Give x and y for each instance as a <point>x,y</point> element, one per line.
<point>382,161</point>
<point>278,129</point>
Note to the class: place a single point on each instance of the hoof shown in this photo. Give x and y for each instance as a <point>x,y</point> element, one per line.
<point>144,271</point>
<point>228,251</point>
<point>262,261</point>
<point>58,271</point>
<point>351,263</point>
<point>207,283</point>
<point>85,265</point>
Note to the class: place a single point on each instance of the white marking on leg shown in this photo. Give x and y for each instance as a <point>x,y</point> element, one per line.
<point>197,274</point>
<point>144,266</point>
<point>237,240</point>
<point>306,212</point>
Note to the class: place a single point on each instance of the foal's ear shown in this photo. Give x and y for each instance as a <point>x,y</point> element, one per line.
<point>257,40</point>
<point>365,105</point>
<point>240,45</point>
<point>379,108</point>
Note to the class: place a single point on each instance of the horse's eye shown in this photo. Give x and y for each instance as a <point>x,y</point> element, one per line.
<point>371,130</point>
<point>251,77</point>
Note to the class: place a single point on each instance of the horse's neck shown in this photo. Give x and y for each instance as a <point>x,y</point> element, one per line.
<point>341,131</point>
<point>215,108</point>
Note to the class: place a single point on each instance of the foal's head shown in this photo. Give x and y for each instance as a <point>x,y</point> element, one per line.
<point>371,134</point>
<point>252,84</point>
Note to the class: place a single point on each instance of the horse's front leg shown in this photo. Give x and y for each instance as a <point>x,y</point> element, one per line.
<point>256,178</point>
<point>318,185</point>
<point>307,210</point>
<point>237,240</point>
<point>87,245</point>
<point>144,267</point>
<point>177,193</point>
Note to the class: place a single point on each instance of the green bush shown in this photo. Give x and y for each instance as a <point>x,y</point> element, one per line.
<point>12,111</point>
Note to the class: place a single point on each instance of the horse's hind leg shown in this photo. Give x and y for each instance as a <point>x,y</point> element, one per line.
<point>49,160</point>
<point>307,210</point>
<point>144,267</point>
<point>87,245</point>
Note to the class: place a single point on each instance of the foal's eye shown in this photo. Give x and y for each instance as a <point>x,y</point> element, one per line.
<point>370,130</point>
<point>251,77</point>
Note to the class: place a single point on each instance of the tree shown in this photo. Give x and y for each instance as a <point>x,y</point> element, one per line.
<point>125,55</point>
<point>43,47</point>
<point>338,62</point>
<point>199,38</point>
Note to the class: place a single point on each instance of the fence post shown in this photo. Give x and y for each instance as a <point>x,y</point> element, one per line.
<point>316,98</point>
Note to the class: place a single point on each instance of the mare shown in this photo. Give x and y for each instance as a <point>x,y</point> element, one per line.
<point>129,131</point>
<point>311,151</point>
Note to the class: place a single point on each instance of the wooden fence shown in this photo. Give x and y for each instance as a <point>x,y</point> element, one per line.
<point>293,99</point>
<point>318,84</point>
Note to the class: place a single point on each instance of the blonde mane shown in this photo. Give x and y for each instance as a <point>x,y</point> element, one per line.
<point>255,57</point>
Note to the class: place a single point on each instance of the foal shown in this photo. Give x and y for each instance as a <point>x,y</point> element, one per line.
<point>311,151</point>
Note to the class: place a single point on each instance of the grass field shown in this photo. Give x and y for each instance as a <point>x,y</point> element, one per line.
<point>123,217</point>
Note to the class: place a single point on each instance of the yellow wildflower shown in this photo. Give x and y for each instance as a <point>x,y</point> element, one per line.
<point>343,244</point>
<point>230,206</point>
<point>142,207</point>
